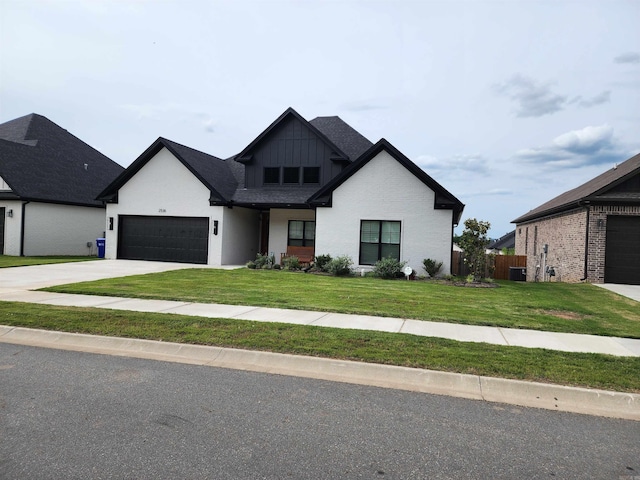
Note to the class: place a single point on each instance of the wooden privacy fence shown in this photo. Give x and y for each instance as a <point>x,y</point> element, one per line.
<point>504,262</point>
<point>500,265</point>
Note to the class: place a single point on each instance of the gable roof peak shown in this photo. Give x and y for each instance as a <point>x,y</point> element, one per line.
<point>246,155</point>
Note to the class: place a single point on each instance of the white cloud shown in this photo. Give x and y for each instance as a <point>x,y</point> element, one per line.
<point>534,99</point>
<point>453,166</point>
<point>172,112</point>
<point>630,57</point>
<point>599,99</point>
<point>591,145</point>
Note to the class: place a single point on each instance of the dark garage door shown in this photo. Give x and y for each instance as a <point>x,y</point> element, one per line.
<point>164,239</point>
<point>622,253</point>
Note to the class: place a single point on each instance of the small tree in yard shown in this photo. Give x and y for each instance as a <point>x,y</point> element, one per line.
<point>474,242</point>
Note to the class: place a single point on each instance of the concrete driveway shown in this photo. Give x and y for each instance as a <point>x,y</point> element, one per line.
<point>41,276</point>
<point>630,291</point>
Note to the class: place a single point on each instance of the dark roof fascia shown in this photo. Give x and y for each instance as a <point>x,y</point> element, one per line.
<point>585,199</point>
<point>551,212</point>
<point>9,195</point>
<point>109,194</point>
<point>269,205</point>
<point>246,155</point>
<point>48,200</point>
<point>443,199</point>
<point>583,202</point>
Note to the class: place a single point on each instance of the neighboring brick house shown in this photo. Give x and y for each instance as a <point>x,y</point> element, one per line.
<point>590,233</point>
<point>316,185</point>
<point>49,180</point>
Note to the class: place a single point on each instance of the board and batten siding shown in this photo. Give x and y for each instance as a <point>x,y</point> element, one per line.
<point>165,187</point>
<point>383,189</point>
<point>291,145</point>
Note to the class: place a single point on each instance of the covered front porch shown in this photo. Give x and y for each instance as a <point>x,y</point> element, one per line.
<point>287,229</point>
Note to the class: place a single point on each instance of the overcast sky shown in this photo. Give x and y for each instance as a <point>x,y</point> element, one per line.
<point>506,104</point>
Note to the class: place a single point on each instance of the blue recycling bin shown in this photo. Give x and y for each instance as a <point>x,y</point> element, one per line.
<point>101,243</point>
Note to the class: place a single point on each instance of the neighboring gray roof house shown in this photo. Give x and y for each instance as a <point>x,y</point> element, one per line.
<point>590,233</point>
<point>508,240</point>
<point>41,161</point>
<point>49,180</point>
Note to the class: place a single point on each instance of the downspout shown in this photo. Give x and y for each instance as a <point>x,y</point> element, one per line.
<point>586,245</point>
<point>22,222</point>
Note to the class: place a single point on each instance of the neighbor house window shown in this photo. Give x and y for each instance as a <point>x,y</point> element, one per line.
<point>271,174</point>
<point>291,175</point>
<point>301,233</point>
<point>311,175</point>
<point>379,239</point>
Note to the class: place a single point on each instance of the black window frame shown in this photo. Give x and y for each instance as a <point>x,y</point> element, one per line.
<point>304,241</point>
<point>265,176</point>
<point>287,178</point>
<point>311,171</point>
<point>380,244</point>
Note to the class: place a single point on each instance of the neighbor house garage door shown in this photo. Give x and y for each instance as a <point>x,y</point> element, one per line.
<point>165,239</point>
<point>622,254</point>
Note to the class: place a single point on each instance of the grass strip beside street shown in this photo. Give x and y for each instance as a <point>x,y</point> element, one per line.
<point>575,369</point>
<point>14,261</point>
<point>554,307</point>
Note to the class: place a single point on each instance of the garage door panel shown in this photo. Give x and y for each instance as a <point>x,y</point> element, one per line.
<point>622,252</point>
<point>168,239</point>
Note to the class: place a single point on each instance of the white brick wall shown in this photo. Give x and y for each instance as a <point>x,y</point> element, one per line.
<point>384,190</point>
<point>165,187</point>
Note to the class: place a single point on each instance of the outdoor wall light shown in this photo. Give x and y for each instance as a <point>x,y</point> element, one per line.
<point>215,227</point>
<point>600,223</point>
<point>9,213</point>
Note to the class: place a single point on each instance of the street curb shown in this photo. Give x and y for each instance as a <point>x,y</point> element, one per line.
<point>514,392</point>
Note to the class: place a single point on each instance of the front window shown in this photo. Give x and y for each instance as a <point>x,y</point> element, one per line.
<point>379,239</point>
<point>301,233</point>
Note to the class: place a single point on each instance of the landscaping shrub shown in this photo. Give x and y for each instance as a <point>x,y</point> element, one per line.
<point>432,267</point>
<point>251,264</point>
<point>340,266</point>
<point>291,263</point>
<point>322,262</point>
<point>388,268</point>
<point>263,262</point>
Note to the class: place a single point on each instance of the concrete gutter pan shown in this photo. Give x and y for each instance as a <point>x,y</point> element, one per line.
<point>514,392</point>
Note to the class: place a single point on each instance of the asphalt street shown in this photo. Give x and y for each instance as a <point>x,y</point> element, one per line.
<point>78,415</point>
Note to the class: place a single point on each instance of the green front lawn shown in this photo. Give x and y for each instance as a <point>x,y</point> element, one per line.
<point>11,261</point>
<point>558,307</point>
<point>578,369</point>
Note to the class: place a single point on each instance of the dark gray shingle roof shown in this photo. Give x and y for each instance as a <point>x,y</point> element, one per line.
<point>349,140</point>
<point>596,189</point>
<point>219,176</point>
<point>508,240</point>
<point>40,161</point>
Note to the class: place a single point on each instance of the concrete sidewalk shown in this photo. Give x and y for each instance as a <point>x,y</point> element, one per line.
<point>567,342</point>
<point>17,284</point>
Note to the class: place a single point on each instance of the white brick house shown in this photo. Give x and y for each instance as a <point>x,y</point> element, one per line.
<point>317,184</point>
